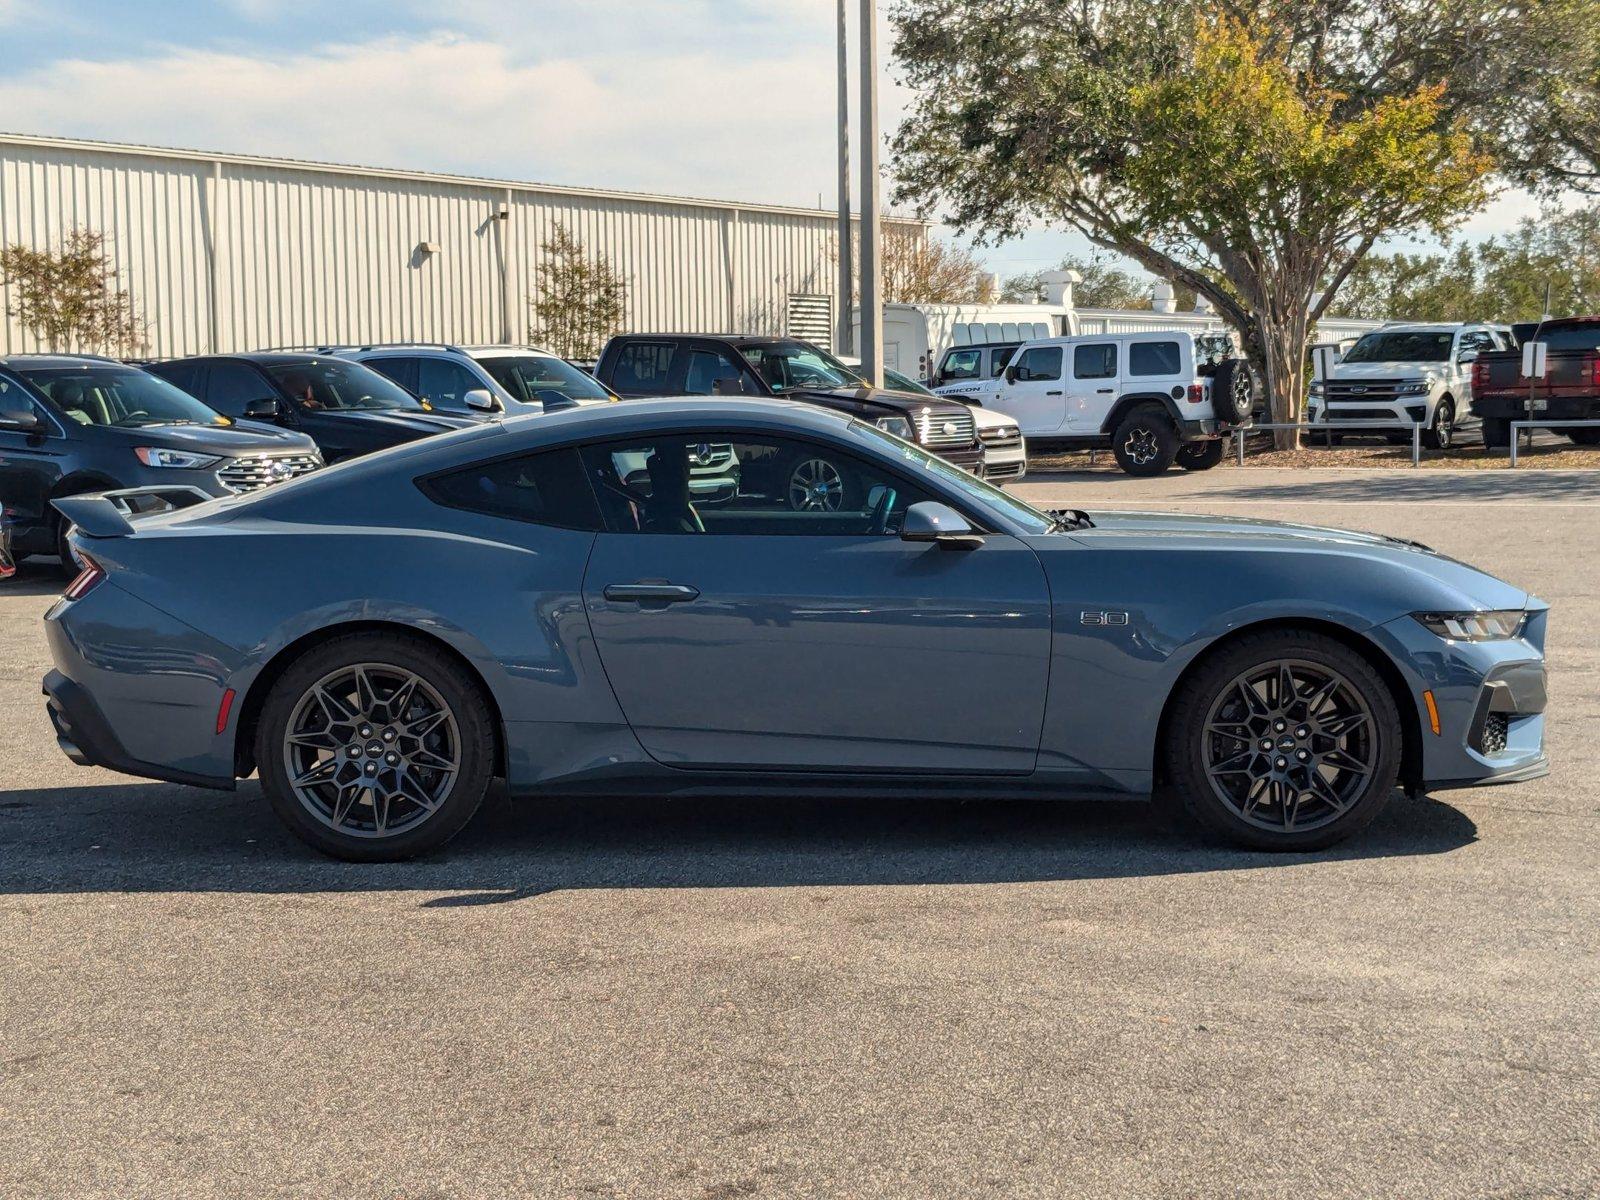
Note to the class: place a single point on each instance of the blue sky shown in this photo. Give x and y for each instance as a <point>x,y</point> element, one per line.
<point>724,98</point>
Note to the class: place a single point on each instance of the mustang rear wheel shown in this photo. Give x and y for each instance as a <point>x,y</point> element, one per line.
<point>375,747</point>
<point>1285,740</point>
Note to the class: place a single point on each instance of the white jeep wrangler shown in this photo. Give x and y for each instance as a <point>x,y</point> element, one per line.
<point>1151,397</point>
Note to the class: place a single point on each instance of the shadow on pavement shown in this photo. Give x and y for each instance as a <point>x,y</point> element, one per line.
<point>165,838</point>
<point>35,579</point>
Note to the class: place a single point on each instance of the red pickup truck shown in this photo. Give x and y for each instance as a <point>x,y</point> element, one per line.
<point>1570,388</point>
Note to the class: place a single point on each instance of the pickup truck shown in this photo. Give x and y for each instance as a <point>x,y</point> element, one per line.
<point>653,364</point>
<point>1570,390</point>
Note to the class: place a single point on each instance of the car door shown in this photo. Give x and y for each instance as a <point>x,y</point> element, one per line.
<point>32,462</point>
<point>1091,386</point>
<point>800,633</point>
<point>1031,390</point>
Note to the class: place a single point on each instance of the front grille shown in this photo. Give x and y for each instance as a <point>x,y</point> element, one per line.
<point>1494,734</point>
<point>1008,470</point>
<point>712,458</point>
<point>1006,435</point>
<point>937,429</point>
<point>1376,391</point>
<point>258,470</point>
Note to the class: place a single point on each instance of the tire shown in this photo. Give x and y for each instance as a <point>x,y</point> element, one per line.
<point>465,736</point>
<point>1200,456</point>
<point>1251,803</point>
<point>1145,442</point>
<point>1440,431</point>
<point>1584,437</point>
<point>1496,433</point>
<point>1233,390</point>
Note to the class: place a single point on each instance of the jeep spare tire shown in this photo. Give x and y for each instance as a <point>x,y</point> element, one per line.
<point>1233,390</point>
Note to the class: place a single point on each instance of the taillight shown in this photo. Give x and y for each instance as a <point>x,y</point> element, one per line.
<point>91,574</point>
<point>1480,376</point>
<point>1197,393</point>
<point>1595,370</point>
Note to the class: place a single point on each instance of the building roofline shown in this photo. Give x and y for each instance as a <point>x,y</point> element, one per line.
<point>134,149</point>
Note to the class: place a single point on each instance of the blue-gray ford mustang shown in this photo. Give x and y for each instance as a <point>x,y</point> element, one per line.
<point>550,600</point>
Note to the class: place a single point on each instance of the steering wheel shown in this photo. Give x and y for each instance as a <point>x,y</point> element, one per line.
<point>881,511</point>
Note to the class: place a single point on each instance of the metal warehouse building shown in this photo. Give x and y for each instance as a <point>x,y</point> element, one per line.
<point>229,251</point>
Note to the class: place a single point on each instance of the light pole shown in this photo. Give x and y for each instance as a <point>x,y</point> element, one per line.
<point>871,231</point>
<point>844,338</point>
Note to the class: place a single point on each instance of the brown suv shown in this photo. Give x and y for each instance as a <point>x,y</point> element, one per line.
<point>677,364</point>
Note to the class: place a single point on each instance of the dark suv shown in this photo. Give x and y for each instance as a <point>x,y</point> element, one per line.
<point>787,368</point>
<point>346,408</point>
<point>71,424</point>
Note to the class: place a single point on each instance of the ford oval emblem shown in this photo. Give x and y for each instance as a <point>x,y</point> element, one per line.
<point>1357,390</point>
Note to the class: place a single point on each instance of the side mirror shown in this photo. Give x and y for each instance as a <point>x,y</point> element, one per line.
<point>930,521</point>
<point>262,410</point>
<point>1011,374</point>
<point>26,421</point>
<point>481,400</point>
<point>1467,356</point>
<point>554,401</point>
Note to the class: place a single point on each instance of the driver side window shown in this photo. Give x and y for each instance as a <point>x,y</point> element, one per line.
<point>715,483</point>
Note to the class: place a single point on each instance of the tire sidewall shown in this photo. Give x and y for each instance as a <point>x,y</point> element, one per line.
<point>1438,435</point>
<point>1200,456</point>
<point>1184,748</point>
<point>458,690</point>
<point>1159,423</point>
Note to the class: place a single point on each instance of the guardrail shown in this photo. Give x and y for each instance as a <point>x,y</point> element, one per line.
<point>1331,428</point>
<point>1518,426</point>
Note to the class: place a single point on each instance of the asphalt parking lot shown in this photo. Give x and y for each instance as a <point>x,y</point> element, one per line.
<point>732,998</point>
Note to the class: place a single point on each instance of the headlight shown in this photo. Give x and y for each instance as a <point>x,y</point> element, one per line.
<point>157,456</point>
<point>1475,626</point>
<point>1412,389</point>
<point>899,426</point>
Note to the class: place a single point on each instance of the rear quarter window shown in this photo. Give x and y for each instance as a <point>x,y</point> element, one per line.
<point>1154,358</point>
<point>643,367</point>
<point>549,488</point>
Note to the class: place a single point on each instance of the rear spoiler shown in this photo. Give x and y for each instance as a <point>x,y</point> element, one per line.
<point>112,514</point>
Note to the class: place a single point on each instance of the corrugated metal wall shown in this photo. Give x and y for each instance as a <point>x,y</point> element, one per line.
<point>305,255</point>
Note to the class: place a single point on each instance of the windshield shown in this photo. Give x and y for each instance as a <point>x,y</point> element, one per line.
<point>789,366</point>
<point>119,396</point>
<point>1401,345</point>
<point>528,376</point>
<point>321,385</point>
<point>904,383</point>
<point>1029,517</point>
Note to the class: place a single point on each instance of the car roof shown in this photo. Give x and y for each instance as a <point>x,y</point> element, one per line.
<point>62,361</point>
<point>1434,326</point>
<point>984,345</point>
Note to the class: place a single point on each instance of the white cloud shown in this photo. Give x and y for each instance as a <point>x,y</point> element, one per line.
<point>697,121</point>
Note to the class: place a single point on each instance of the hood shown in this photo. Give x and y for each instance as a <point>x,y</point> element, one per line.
<point>876,400</point>
<point>404,420</point>
<point>242,437</point>
<point>1186,531</point>
<point>1355,372</point>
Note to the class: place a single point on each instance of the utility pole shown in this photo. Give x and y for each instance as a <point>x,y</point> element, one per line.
<point>871,230</point>
<point>843,337</point>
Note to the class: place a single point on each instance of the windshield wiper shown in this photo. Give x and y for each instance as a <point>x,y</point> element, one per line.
<point>1065,520</point>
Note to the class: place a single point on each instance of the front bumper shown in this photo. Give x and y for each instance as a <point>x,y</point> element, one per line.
<point>968,458</point>
<point>1404,411</point>
<point>1490,697</point>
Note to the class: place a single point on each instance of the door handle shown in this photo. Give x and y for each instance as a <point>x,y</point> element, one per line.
<point>1104,391</point>
<point>1057,392</point>
<point>651,593</point>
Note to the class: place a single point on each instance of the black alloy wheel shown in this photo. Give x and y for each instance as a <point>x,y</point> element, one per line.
<point>1284,740</point>
<point>375,747</point>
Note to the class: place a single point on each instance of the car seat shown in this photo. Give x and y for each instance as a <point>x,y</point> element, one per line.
<point>668,509</point>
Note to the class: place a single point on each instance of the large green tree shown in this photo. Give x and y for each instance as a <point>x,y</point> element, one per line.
<point>1253,151</point>
<point>1502,278</point>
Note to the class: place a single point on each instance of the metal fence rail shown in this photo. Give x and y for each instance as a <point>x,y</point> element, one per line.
<point>1333,427</point>
<point>1518,426</point>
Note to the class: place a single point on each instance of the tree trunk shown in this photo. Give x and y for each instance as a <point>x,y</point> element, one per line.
<point>1283,346</point>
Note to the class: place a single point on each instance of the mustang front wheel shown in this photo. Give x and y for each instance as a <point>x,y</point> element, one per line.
<point>375,747</point>
<point>1285,740</point>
